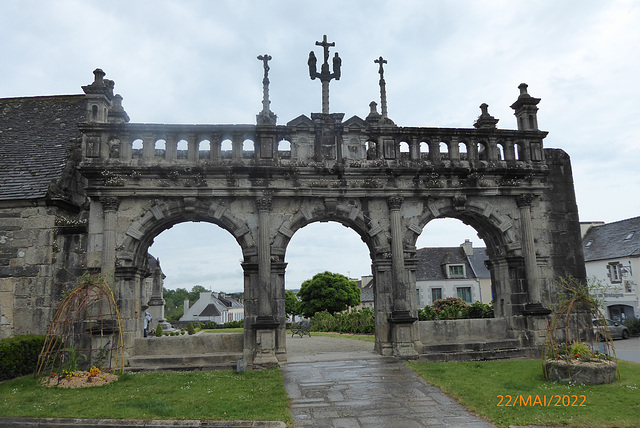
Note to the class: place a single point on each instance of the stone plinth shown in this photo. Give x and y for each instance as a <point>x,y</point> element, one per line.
<point>587,373</point>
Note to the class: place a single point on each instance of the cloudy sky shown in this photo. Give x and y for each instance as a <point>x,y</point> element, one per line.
<point>195,62</point>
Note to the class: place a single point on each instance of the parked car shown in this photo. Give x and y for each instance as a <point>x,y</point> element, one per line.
<point>616,329</point>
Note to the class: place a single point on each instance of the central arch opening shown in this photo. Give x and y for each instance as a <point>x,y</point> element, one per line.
<point>328,247</point>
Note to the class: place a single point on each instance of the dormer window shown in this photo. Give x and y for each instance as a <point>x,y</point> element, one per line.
<point>456,271</point>
<point>629,236</point>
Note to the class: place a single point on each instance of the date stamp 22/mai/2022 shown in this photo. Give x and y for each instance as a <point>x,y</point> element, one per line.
<point>542,401</point>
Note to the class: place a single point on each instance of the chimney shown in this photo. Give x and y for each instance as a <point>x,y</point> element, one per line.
<point>467,247</point>
<point>186,306</point>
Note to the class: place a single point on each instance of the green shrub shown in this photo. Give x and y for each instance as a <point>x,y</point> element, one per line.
<point>191,329</point>
<point>19,355</point>
<point>478,310</point>
<point>358,322</point>
<point>451,313</point>
<point>427,314</point>
<point>159,331</point>
<point>633,324</point>
<point>210,325</point>
<point>197,325</point>
<point>233,324</point>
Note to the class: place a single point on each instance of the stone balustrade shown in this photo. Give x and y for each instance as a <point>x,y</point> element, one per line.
<point>210,145</point>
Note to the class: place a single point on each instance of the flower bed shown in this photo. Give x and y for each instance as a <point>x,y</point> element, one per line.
<point>79,378</point>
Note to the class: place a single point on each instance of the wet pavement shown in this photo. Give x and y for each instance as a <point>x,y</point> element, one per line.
<point>343,383</point>
<point>628,350</point>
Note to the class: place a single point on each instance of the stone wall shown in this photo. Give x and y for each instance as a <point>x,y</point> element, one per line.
<point>38,261</point>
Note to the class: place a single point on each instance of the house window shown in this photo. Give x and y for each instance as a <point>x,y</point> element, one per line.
<point>436,294</point>
<point>614,272</point>
<point>456,271</point>
<point>464,293</point>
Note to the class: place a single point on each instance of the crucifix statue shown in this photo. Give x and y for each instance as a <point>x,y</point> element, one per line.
<point>383,91</point>
<point>266,116</point>
<point>325,76</point>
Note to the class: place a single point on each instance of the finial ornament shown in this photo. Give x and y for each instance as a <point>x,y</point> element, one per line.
<point>325,75</point>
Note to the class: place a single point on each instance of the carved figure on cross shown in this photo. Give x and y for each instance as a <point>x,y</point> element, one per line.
<point>380,61</point>
<point>265,63</point>
<point>325,75</point>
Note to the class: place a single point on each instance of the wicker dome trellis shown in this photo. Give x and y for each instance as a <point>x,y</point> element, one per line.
<point>86,330</point>
<point>577,333</point>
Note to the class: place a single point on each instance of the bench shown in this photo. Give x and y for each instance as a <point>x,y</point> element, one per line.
<point>301,328</point>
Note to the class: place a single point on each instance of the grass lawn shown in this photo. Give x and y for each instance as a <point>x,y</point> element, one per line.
<point>364,337</point>
<point>224,330</point>
<point>485,387</point>
<point>214,395</point>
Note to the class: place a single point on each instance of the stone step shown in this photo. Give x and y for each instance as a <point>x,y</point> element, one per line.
<point>187,362</point>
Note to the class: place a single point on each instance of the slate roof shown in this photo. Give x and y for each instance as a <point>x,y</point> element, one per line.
<point>612,240</point>
<point>431,259</point>
<point>35,138</point>
<point>210,311</point>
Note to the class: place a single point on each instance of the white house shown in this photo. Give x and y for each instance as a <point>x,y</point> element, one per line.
<point>612,258</point>
<point>212,306</point>
<point>453,272</point>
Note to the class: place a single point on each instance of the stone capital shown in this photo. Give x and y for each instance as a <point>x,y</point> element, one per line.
<point>264,203</point>
<point>524,200</point>
<point>110,203</point>
<point>395,202</point>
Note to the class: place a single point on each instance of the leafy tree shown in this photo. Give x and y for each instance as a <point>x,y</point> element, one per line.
<point>291,303</point>
<point>326,291</point>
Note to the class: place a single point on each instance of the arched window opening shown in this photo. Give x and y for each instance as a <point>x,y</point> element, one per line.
<point>501,151</point>
<point>248,149</point>
<point>94,112</point>
<point>482,151</point>
<point>183,149</point>
<point>136,148</point>
<point>424,150</point>
<point>160,148</point>
<point>226,149</point>
<point>183,252</point>
<point>453,257</point>
<point>204,149</point>
<point>404,151</point>
<point>531,122</point>
<point>462,150</point>
<point>516,150</point>
<point>284,149</point>
<point>444,150</point>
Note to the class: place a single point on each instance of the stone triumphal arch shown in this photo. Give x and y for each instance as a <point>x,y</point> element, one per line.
<point>518,195</point>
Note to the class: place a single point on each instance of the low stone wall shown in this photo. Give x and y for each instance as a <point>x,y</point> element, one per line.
<point>201,343</point>
<point>465,330</point>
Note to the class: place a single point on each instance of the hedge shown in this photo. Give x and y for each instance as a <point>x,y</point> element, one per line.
<point>19,355</point>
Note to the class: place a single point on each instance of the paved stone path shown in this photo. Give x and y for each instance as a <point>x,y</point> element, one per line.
<point>342,383</point>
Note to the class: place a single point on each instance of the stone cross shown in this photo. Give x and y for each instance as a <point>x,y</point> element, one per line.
<point>325,75</point>
<point>266,116</point>
<point>383,91</point>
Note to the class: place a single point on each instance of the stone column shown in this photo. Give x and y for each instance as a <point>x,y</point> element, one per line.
<point>534,306</point>
<point>404,334</point>
<point>110,206</point>
<point>266,323</point>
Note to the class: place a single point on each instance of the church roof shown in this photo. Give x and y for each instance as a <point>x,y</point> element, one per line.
<point>36,135</point>
<point>210,311</point>
<point>612,240</point>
